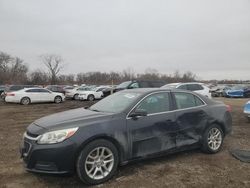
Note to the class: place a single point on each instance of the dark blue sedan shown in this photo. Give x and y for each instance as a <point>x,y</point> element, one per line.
<point>126,126</point>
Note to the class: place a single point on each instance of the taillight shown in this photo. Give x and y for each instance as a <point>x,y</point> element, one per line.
<point>10,94</point>
<point>229,108</point>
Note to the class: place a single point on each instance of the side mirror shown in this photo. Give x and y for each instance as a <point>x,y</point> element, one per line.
<point>138,112</point>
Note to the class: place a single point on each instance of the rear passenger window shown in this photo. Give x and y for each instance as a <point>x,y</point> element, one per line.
<point>43,91</point>
<point>32,91</point>
<point>183,87</point>
<point>194,87</point>
<point>187,100</point>
<point>198,101</point>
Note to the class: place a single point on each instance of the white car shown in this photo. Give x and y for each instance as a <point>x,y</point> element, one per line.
<point>34,95</point>
<point>191,86</point>
<point>74,93</point>
<point>94,93</point>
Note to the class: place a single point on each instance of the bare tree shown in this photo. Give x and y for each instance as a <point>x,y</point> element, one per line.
<point>5,60</point>
<point>188,77</point>
<point>54,65</point>
<point>128,73</point>
<point>38,77</point>
<point>18,71</point>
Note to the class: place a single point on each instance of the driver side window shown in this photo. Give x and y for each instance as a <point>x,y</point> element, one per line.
<point>155,103</point>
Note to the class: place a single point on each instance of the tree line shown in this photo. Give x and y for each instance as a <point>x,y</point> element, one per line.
<point>13,70</point>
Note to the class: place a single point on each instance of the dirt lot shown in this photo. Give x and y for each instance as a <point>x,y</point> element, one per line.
<point>188,169</point>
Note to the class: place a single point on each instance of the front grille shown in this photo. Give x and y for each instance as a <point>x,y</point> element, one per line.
<point>26,147</point>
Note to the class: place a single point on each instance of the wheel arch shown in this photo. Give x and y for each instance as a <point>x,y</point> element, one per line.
<point>118,146</point>
<point>58,96</point>
<point>221,125</point>
<point>25,97</point>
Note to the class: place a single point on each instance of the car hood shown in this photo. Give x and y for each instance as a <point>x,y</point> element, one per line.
<point>70,118</point>
<point>235,91</point>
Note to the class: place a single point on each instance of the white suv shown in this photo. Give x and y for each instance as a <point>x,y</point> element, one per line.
<point>191,86</point>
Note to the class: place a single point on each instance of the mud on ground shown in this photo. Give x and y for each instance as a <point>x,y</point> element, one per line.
<point>186,169</point>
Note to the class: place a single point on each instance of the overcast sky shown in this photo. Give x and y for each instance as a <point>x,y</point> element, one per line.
<point>208,37</point>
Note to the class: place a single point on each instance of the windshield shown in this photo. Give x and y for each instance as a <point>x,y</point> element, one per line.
<point>116,103</point>
<point>124,84</point>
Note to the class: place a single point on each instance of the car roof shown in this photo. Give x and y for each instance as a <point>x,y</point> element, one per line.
<point>149,90</point>
<point>33,88</point>
<point>146,91</point>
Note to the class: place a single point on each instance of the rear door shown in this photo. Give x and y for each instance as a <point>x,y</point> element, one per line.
<point>191,118</point>
<point>45,95</point>
<point>33,94</point>
<point>155,132</point>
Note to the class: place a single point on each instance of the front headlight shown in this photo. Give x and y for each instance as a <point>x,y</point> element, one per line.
<point>56,136</point>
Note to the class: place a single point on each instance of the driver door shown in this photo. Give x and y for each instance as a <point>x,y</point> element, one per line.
<point>154,132</point>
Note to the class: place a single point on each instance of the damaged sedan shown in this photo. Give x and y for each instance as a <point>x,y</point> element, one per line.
<point>126,126</point>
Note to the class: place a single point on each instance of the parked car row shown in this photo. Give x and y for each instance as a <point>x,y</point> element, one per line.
<point>93,92</point>
<point>231,91</point>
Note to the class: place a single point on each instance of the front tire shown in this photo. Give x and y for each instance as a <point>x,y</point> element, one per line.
<point>25,101</point>
<point>97,162</point>
<point>76,97</point>
<point>212,139</point>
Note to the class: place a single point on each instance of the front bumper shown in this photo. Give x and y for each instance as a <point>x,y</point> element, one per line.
<point>50,158</point>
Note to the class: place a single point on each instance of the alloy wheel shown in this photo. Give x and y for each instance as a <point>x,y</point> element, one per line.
<point>99,163</point>
<point>214,139</point>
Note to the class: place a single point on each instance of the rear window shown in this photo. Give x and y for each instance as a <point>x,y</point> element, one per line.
<point>194,87</point>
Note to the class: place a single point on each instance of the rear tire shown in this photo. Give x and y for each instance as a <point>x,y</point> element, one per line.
<point>97,162</point>
<point>58,99</point>
<point>212,139</point>
<point>25,101</point>
<point>91,98</point>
